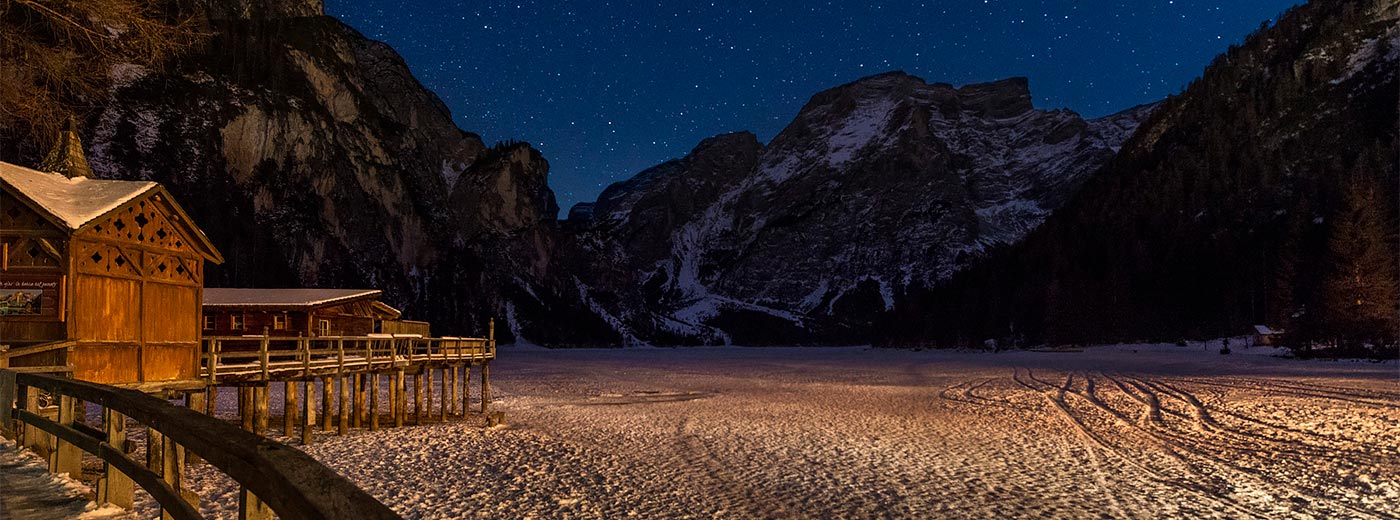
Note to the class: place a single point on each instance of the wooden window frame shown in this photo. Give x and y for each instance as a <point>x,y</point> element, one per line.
<point>323,327</point>
<point>210,322</point>
<point>279,321</point>
<point>236,322</point>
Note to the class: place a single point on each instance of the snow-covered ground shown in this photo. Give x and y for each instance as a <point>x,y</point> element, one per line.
<point>1144,431</point>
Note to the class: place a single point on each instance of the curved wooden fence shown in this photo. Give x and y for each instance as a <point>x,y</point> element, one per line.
<point>275,478</point>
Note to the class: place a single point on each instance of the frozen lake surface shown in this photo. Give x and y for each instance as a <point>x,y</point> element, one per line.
<point>1121,432</point>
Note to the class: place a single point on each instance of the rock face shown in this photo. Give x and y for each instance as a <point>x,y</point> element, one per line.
<point>312,157</point>
<point>1253,197</point>
<point>882,184</point>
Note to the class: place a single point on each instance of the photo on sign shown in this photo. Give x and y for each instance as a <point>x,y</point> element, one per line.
<point>21,302</point>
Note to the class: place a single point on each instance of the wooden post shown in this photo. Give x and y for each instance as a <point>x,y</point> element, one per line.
<point>308,409</point>
<point>452,390</point>
<point>172,468</point>
<point>66,458</point>
<point>418,398</point>
<point>343,423</point>
<point>373,400</point>
<point>400,400</point>
<point>262,355</point>
<point>251,508</point>
<point>114,487</point>
<point>442,413</point>
<point>195,401</point>
<point>245,407</point>
<point>327,400</point>
<point>485,387</point>
<point>212,402</point>
<point>466,390</point>
<point>428,392</point>
<point>357,418</point>
<point>260,409</point>
<point>289,408</point>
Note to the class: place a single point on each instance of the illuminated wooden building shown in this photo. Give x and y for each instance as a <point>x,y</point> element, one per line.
<point>301,313</point>
<point>102,278</point>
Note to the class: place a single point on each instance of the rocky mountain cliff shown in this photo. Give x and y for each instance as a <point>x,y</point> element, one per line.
<point>877,185</point>
<point>312,157</point>
<point>1264,193</point>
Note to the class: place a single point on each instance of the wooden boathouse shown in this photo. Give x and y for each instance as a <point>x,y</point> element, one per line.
<point>99,278</point>
<point>299,312</point>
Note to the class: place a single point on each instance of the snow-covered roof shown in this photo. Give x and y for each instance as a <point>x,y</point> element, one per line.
<point>72,202</point>
<point>226,297</point>
<point>1264,330</point>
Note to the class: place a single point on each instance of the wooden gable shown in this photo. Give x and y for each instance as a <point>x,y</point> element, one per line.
<point>27,239</point>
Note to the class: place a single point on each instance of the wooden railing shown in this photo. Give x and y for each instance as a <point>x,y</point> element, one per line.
<point>267,357</point>
<point>274,478</point>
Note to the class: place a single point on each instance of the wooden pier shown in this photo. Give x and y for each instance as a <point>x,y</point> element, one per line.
<point>354,374</point>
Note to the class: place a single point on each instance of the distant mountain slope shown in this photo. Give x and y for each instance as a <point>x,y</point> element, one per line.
<point>1256,196</point>
<point>312,157</point>
<point>876,185</point>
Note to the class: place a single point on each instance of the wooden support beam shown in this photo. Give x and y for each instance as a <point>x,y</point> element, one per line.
<point>400,400</point>
<point>289,408</point>
<point>260,409</point>
<point>326,402</point>
<point>343,424</point>
<point>451,400</point>
<point>442,413</point>
<point>66,458</point>
<point>485,387</point>
<point>212,401</point>
<point>466,391</point>
<point>359,413</point>
<point>245,407</point>
<point>308,409</point>
<point>373,400</point>
<point>428,393</point>
<point>418,398</point>
<point>114,487</point>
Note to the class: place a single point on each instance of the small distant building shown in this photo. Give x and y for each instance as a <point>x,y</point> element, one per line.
<point>302,313</point>
<point>1262,335</point>
<point>102,278</point>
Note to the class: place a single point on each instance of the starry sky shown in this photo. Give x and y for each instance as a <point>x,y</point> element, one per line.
<point>608,88</point>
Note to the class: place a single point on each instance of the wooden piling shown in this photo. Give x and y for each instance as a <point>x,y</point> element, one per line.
<point>418,398</point>
<point>260,408</point>
<point>308,410</point>
<point>358,416</point>
<point>428,393</point>
<point>373,400</point>
<point>442,413</point>
<point>252,508</point>
<point>485,387</point>
<point>326,402</point>
<point>343,423</point>
<point>289,408</point>
<point>196,401</point>
<point>400,400</point>
<point>172,468</point>
<point>211,402</point>
<point>451,401</point>
<point>245,407</point>
<point>466,390</point>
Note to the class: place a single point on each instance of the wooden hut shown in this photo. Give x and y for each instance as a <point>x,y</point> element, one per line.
<point>102,278</point>
<point>298,312</point>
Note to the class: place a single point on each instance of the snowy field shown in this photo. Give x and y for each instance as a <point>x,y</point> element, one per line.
<point>1113,432</point>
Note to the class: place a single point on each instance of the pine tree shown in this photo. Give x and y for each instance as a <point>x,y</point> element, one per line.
<point>1359,293</point>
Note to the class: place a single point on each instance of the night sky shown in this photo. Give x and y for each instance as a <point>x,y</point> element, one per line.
<point>606,89</point>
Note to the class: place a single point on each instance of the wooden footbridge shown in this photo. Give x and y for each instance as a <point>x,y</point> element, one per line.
<point>364,381</point>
